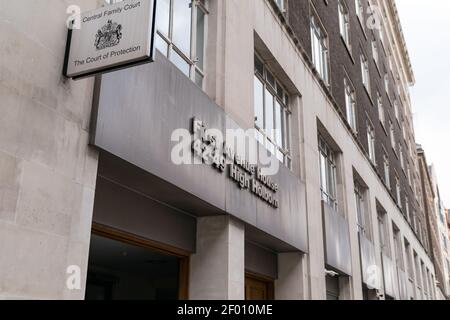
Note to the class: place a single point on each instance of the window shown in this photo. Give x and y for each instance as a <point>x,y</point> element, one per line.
<point>433,292</point>
<point>181,35</point>
<point>359,10</point>
<point>319,49</point>
<point>280,4</point>
<point>350,104</point>
<point>417,268</point>
<point>398,191</point>
<point>430,285</point>
<point>409,260</point>
<point>444,241</point>
<point>272,113</point>
<point>408,213</point>
<point>365,73</point>
<point>361,210</point>
<point>327,163</point>
<point>399,89</point>
<point>386,165</point>
<point>383,230</point>
<point>398,247</point>
<point>424,278</point>
<point>391,63</point>
<point>402,157</point>
<point>386,84</point>
<point>410,149</point>
<point>404,130</point>
<point>381,109</point>
<point>419,229</point>
<point>408,170</point>
<point>397,110</point>
<point>424,238</point>
<point>344,23</point>
<point>371,142</point>
<point>392,135</point>
<point>381,33</point>
<point>375,51</point>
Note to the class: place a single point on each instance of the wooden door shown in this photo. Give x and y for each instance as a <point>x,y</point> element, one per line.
<point>258,289</point>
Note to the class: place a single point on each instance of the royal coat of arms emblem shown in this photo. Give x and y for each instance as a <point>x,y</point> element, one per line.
<point>108,36</point>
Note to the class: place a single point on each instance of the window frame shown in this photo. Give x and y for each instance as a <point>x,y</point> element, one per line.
<point>363,218</point>
<point>398,247</point>
<point>409,260</point>
<point>397,111</point>
<point>350,104</point>
<point>285,104</point>
<point>317,28</point>
<point>281,5</point>
<point>365,72</point>
<point>386,169</point>
<point>371,140</point>
<point>344,23</point>
<point>392,136</point>
<point>402,157</point>
<point>408,209</point>
<point>398,190</point>
<point>359,7</point>
<point>381,111</point>
<point>386,84</point>
<point>191,60</point>
<point>327,153</point>
<point>375,53</point>
<point>383,230</point>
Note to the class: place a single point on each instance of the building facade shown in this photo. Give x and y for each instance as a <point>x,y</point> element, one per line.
<point>433,242</point>
<point>90,187</point>
<point>447,215</point>
<point>442,230</point>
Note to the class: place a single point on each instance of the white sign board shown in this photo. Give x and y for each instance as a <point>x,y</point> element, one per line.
<point>110,38</point>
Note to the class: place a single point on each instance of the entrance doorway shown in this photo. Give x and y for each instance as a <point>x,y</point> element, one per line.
<point>333,288</point>
<point>258,288</point>
<point>122,267</point>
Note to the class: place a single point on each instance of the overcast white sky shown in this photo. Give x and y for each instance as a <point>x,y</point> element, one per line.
<point>426,24</point>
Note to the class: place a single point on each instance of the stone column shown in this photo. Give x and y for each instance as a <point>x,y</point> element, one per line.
<point>217,270</point>
<point>291,277</point>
